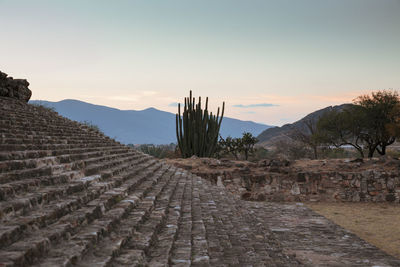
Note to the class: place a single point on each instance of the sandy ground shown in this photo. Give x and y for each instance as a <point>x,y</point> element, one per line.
<point>377,223</point>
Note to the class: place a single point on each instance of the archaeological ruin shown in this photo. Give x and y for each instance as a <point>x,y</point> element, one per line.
<point>71,196</point>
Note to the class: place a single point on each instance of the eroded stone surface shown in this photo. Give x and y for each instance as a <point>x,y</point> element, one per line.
<point>315,240</point>
<point>14,88</point>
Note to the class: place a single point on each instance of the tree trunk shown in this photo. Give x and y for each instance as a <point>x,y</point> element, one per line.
<point>236,156</point>
<point>371,151</point>
<point>360,151</point>
<point>315,148</point>
<point>382,151</point>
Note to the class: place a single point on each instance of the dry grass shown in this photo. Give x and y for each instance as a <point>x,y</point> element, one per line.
<point>377,223</point>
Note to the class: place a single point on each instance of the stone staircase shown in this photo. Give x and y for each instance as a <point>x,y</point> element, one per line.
<point>70,196</point>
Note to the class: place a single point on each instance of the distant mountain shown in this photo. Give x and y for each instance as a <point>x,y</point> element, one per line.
<point>273,134</point>
<point>149,126</point>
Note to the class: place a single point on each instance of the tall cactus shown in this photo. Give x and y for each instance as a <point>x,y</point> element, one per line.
<point>197,130</point>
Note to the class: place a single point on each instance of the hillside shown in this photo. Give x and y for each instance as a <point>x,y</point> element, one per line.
<point>271,135</point>
<point>149,126</point>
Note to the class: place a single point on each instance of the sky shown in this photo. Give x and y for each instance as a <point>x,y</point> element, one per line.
<point>272,62</point>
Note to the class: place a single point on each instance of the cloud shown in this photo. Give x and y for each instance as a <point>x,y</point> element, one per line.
<point>173,104</point>
<point>255,105</point>
<point>133,98</point>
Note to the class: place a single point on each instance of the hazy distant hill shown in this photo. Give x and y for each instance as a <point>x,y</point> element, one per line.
<point>271,135</point>
<point>139,127</point>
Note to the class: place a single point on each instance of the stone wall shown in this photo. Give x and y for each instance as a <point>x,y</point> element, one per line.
<point>375,180</point>
<point>14,88</point>
<point>370,186</point>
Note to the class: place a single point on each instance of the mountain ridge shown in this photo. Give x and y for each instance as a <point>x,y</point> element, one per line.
<point>147,126</point>
<point>273,134</point>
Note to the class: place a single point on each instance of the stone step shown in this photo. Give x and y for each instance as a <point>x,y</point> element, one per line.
<point>25,155</point>
<point>14,227</point>
<point>43,123</point>
<point>25,174</point>
<point>10,165</point>
<point>70,223</point>
<point>200,254</point>
<point>55,147</point>
<point>160,253</point>
<point>42,196</point>
<point>72,250</point>
<point>147,232</point>
<point>181,252</point>
<point>21,132</point>
<point>30,134</point>
<point>68,158</point>
<point>11,189</point>
<point>14,165</point>
<point>16,125</point>
<point>38,125</point>
<point>237,232</point>
<point>52,165</point>
<point>234,240</point>
<point>34,139</point>
<point>34,115</point>
<point>155,207</point>
<point>50,140</point>
<point>98,164</point>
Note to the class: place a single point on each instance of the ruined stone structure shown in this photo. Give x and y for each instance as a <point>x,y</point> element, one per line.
<point>373,180</point>
<point>14,88</point>
<point>70,196</point>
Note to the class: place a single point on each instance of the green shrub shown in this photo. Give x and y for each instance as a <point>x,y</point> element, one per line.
<point>44,106</point>
<point>159,151</point>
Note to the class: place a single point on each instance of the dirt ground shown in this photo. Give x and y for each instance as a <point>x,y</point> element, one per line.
<point>377,223</point>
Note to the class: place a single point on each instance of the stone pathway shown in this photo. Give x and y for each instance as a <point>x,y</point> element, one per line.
<point>315,240</point>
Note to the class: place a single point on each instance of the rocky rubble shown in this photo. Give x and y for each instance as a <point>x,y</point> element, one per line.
<point>374,180</point>
<point>14,88</point>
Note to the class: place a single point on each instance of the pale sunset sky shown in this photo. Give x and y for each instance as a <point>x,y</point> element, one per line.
<point>271,61</point>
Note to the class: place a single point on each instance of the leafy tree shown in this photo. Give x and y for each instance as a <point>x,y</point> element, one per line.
<point>237,146</point>
<point>381,117</point>
<point>373,123</point>
<point>230,145</point>
<point>344,127</point>
<point>291,149</point>
<point>247,144</point>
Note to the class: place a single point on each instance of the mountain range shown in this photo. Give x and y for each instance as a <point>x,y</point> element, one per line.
<point>148,126</point>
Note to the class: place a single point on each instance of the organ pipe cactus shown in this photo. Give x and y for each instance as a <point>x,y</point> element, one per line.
<point>197,130</point>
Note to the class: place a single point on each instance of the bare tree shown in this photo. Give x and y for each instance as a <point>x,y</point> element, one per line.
<point>308,135</point>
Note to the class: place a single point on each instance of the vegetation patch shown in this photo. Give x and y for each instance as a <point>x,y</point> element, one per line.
<point>44,107</point>
<point>91,126</point>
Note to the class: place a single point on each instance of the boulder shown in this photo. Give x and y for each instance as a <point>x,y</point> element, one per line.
<point>14,88</point>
